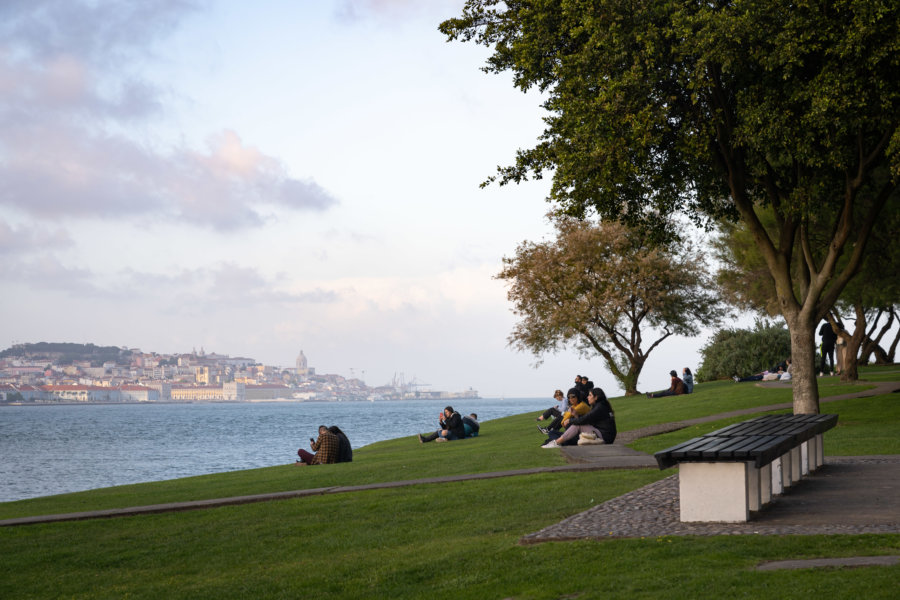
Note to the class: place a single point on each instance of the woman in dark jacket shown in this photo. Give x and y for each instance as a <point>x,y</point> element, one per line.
<point>452,428</point>
<point>601,421</point>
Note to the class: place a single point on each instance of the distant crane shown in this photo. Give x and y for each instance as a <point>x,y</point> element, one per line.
<point>407,388</point>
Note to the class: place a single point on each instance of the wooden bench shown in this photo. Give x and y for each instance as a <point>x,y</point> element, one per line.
<point>726,474</point>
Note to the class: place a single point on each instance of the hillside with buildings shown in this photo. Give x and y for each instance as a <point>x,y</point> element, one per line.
<point>84,373</point>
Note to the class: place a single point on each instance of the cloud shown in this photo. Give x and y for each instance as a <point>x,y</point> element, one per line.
<point>67,145</point>
<point>47,273</point>
<point>397,10</point>
<point>104,33</point>
<point>22,240</point>
<point>218,288</point>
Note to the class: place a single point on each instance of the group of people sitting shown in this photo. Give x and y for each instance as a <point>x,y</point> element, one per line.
<point>332,446</point>
<point>452,427</point>
<point>584,416</point>
<point>680,385</point>
<point>782,371</point>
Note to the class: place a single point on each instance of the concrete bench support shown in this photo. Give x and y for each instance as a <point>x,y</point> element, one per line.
<point>765,486</point>
<point>729,473</point>
<point>715,492</point>
<point>820,450</point>
<point>777,481</point>
<point>804,458</point>
<point>785,471</point>
<point>796,460</point>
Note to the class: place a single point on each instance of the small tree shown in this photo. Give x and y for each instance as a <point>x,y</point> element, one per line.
<point>602,287</point>
<point>744,351</point>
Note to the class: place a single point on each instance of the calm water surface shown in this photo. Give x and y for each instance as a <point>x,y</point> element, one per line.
<point>63,448</point>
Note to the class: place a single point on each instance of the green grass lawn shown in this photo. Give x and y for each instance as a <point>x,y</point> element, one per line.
<point>454,540</point>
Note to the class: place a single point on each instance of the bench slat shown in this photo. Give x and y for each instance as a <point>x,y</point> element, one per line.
<point>760,440</point>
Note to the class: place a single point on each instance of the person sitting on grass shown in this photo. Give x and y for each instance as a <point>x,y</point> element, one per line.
<point>345,450</point>
<point>452,428</point>
<point>556,410</point>
<point>599,422</point>
<point>576,408</point>
<point>688,378</point>
<point>676,389</point>
<point>326,448</point>
<point>471,425</point>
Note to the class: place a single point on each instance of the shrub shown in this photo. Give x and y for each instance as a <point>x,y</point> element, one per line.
<point>744,352</point>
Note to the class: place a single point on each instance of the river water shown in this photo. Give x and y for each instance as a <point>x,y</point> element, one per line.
<point>54,449</point>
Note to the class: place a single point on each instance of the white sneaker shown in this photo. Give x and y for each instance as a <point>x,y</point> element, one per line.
<point>551,444</point>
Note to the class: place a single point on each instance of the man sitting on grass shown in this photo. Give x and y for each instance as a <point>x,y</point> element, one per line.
<point>676,389</point>
<point>326,448</point>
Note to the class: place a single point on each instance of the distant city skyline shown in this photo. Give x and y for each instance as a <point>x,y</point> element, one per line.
<point>267,177</point>
<point>65,372</point>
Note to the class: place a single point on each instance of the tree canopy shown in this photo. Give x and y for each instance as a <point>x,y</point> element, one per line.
<point>603,289</point>
<point>715,109</point>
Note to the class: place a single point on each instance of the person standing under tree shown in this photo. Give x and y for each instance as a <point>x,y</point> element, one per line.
<point>829,337</point>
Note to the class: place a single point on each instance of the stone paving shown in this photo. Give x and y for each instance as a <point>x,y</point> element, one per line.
<point>826,502</point>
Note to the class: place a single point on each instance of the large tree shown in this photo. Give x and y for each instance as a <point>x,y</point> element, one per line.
<point>718,109</point>
<point>607,290</point>
<point>746,282</point>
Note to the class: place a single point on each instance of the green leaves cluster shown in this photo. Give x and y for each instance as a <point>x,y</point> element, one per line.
<point>744,352</point>
<point>607,289</point>
<point>720,109</point>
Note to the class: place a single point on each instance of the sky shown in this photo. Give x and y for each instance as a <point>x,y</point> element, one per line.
<point>257,179</point>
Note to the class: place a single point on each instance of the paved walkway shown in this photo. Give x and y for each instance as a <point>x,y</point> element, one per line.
<point>849,495</point>
<point>649,510</point>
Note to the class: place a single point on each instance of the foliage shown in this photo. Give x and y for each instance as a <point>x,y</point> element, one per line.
<point>746,282</point>
<point>603,287</point>
<point>718,110</point>
<point>744,352</point>
<point>66,352</point>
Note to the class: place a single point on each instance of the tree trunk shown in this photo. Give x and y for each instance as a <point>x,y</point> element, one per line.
<point>803,359</point>
<point>629,381</point>
<point>850,363</point>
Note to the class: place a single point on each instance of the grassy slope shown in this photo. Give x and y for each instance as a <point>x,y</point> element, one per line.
<point>450,540</point>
